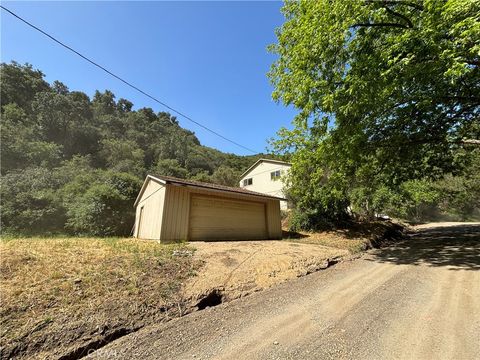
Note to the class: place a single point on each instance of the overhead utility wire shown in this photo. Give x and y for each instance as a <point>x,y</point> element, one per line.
<point>126,82</point>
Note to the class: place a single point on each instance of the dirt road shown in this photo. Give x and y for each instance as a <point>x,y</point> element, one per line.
<point>418,300</point>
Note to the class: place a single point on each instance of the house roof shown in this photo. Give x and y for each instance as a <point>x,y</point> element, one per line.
<point>197,184</point>
<point>264,160</point>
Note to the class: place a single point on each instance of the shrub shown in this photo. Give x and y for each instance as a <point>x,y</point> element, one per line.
<point>105,208</point>
<point>31,203</point>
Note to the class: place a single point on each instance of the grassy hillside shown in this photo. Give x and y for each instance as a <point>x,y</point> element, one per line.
<point>63,296</point>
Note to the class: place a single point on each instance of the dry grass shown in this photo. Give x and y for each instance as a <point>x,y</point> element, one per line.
<point>64,296</point>
<point>75,291</point>
<point>356,238</point>
<point>335,240</point>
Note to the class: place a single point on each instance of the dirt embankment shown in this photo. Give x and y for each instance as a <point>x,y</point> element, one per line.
<point>419,299</point>
<point>236,269</point>
<point>63,298</point>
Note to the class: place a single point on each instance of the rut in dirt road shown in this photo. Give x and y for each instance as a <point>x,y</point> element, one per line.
<point>417,300</point>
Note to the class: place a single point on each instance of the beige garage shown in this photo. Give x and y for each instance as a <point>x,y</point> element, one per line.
<point>219,218</point>
<point>171,209</point>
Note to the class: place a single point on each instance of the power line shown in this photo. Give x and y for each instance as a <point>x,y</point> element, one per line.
<point>126,82</point>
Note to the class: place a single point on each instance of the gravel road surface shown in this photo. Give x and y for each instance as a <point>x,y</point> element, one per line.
<point>417,300</point>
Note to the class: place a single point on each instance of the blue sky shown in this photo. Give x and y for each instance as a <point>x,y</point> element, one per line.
<point>206,59</point>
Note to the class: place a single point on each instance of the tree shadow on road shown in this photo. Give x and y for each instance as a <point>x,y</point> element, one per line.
<point>455,246</point>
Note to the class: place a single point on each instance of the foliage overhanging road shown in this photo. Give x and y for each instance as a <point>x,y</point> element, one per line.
<point>418,300</point>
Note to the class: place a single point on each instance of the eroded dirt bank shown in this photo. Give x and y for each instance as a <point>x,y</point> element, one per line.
<point>66,297</point>
<point>419,299</point>
<point>239,268</point>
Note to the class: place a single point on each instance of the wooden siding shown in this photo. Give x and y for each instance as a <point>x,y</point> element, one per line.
<point>274,219</point>
<point>176,214</point>
<point>152,215</point>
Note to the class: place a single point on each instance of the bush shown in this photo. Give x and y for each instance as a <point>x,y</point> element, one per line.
<point>169,167</point>
<point>105,208</point>
<point>31,203</point>
<point>313,220</point>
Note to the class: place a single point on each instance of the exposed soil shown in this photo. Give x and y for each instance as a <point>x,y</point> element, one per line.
<point>419,299</point>
<point>64,298</point>
<point>238,268</point>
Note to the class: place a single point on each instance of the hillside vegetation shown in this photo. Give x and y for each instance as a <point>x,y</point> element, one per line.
<point>74,165</point>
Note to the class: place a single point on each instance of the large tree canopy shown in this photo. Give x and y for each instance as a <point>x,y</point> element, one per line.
<point>387,91</point>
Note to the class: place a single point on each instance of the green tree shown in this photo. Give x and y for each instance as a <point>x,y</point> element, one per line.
<point>318,192</point>
<point>100,204</point>
<point>20,146</point>
<point>388,86</point>
<point>66,119</point>
<point>104,103</point>
<point>31,203</point>
<point>227,176</point>
<point>20,84</point>
<point>123,156</point>
<point>460,195</point>
<point>169,167</point>
<point>202,176</point>
<point>421,197</point>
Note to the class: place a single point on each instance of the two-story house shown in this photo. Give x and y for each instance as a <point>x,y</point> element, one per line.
<point>265,176</point>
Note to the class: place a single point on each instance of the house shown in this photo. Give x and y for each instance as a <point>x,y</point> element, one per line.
<point>265,176</point>
<point>171,209</point>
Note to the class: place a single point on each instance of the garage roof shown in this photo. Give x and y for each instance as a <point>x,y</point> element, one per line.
<point>173,180</point>
<point>182,182</point>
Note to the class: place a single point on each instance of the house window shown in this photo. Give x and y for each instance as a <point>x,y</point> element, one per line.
<point>247,182</point>
<point>275,175</point>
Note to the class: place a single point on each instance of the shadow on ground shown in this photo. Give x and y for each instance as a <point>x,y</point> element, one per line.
<point>292,235</point>
<point>457,246</point>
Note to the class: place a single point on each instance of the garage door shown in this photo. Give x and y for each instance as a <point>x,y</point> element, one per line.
<point>214,218</point>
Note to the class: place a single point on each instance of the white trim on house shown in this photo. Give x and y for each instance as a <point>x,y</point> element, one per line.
<point>266,176</point>
<point>260,161</point>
